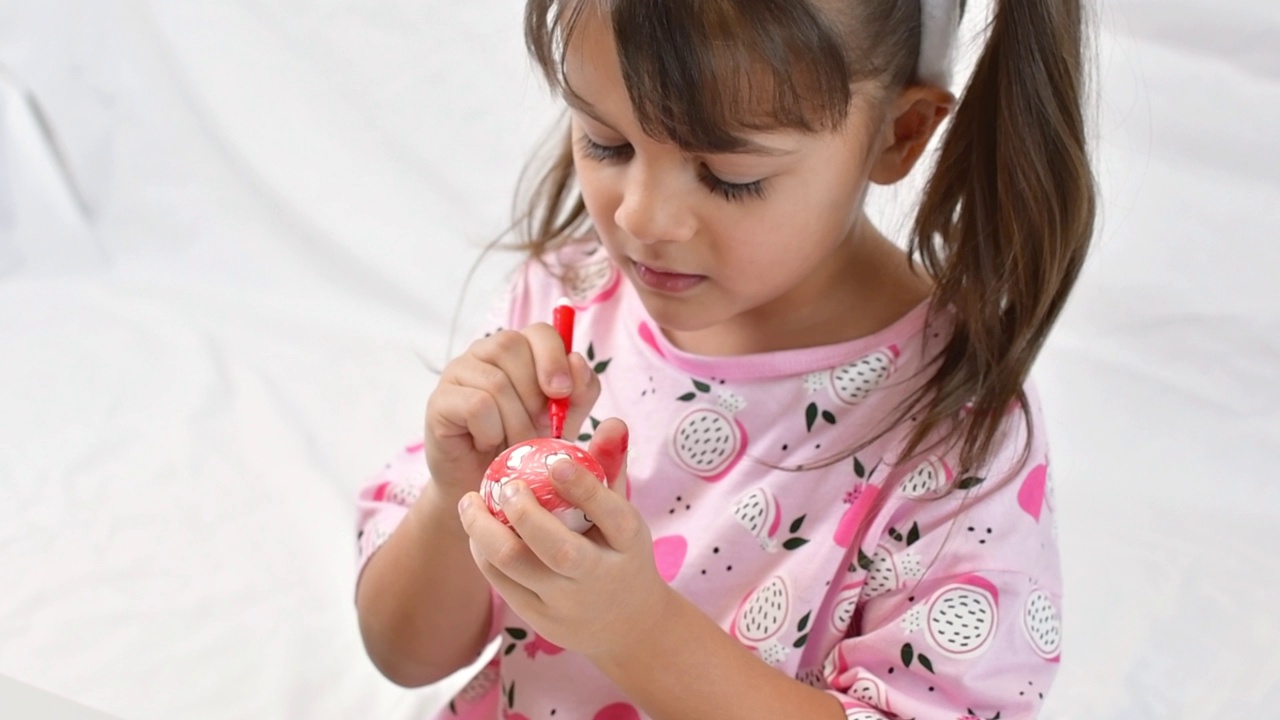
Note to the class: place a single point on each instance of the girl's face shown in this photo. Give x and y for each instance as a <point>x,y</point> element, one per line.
<point>730,253</point>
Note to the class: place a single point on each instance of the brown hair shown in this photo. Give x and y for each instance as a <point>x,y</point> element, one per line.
<point>1005,221</point>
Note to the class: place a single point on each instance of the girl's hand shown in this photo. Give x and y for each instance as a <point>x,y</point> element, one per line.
<point>495,395</point>
<point>590,593</point>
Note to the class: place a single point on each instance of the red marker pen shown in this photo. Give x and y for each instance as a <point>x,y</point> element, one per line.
<point>562,320</point>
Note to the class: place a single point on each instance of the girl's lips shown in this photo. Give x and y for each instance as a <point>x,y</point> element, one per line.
<point>667,282</point>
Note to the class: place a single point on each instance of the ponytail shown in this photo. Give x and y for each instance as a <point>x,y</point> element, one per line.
<point>1006,220</point>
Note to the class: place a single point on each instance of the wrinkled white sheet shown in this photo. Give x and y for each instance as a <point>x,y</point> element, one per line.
<point>228,232</point>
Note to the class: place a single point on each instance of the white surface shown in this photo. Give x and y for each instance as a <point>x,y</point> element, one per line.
<point>211,315</point>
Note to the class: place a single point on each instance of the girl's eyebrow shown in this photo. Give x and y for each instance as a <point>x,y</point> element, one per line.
<point>749,147</point>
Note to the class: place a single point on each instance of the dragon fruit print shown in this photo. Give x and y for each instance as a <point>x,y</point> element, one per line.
<point>852,383</point>
<point>593,282</point>
<point>846,604</point>
<point>871,691</point>
<point>709,442</point>
<point>930,480</point>
<point>1042,625</point>
<point>760,619</point>
<point>479,686</point>
<point>961,617</point>
<point>758,511</point>
<point>882,577</point>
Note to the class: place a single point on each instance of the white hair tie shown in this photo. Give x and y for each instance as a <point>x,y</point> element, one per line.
<point>940,28</point>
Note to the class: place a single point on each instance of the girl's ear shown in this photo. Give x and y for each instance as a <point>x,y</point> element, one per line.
<point>910,122</point>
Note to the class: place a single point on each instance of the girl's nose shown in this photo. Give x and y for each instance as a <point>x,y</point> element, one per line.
<point>654,208</point>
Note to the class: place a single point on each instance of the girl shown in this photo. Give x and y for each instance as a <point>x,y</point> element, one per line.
<point>829,486</point>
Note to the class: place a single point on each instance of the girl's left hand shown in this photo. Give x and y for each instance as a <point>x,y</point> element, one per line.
<point>592,593</point>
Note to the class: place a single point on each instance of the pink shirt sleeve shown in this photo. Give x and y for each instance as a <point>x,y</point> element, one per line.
<point>959,614</point>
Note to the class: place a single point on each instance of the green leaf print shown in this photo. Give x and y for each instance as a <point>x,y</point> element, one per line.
<point>591,352</point>
<point>601,366</point>
<point>913,534</point>
<point>858,469</point>
<point>687,397</point>
<point>595,424</point>
<point>804,621</point>
<point>510,649</point>
<point>517,633</point>
<point>864,562</point>
<point>908,654</point>
<point>584,437</point>
<point>701,386</point>
<point>925,662</point>
<point>795,543</point>
<point>799,643</point>
<point>893,533</point>
<point>829,417</point>
<point>970,482</point>
<point>795,525</point>
<point>810,416</point>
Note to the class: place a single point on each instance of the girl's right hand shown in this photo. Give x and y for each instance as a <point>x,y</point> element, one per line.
<point>495,395</point>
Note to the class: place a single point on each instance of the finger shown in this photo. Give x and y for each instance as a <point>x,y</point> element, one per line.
<point>615,518</point>
<point>517,596</point>
<point>493,381</point>
<point>551,360</point>
<point>586,390</point>
<point>458,411</point>
<point>609,446</point>
<point>560,549</point>
<point>512,353</point>
<point>501,547</point>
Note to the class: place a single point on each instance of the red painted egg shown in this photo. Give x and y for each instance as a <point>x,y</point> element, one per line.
<point>530,462</point>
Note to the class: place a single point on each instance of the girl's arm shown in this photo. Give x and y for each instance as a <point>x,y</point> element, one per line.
<point>424,608</point>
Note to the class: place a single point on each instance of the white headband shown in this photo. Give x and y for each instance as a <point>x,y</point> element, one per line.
<point>940,28</point>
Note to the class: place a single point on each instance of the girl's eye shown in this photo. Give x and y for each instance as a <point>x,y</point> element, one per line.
<point>733,192</point>
<point>605,153</point>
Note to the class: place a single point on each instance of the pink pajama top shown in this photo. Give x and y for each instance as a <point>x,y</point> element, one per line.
<point>949,608</point>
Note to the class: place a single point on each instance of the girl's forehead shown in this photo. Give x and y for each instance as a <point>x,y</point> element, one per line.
<point>729,106</point>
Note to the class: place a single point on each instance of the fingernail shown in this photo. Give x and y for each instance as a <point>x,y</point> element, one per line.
<point>561,383</point>
<point>510,491</point>
<point>464,504</point>
<point>562,470</point>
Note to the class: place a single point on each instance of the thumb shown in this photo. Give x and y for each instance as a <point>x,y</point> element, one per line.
<point>609,446</point>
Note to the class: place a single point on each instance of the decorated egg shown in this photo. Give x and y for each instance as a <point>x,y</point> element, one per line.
<point>530,462</point>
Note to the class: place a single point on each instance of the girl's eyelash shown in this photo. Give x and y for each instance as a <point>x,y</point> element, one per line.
<point>730,191</point>
<point>604,153</point>
<point>733,192</point>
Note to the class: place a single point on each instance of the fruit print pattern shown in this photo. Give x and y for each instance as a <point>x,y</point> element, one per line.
<point>854,382</point>
<point>758,511</point>
<point>592,282</point>
<point>1042,624</point>
<point>709,442</point>
<point>761,617</point>
<point>931,479</point>
<point>959,619</point>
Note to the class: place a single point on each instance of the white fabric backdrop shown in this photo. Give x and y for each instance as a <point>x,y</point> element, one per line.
<point>228,230</point>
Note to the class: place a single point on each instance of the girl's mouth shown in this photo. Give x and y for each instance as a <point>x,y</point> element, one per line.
<point>664,281</point>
